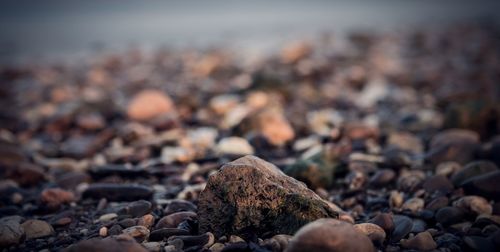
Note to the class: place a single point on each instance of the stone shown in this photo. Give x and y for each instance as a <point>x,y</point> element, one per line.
<point>162,234</point>
<point>152,246</point>
<point>329,235</point>
<point>485,185</point>
<point>27,174</point>
<point>316,171</point>
<point>383,220</point>
<point>136,208</point>
<point>11,232</point>
<point>179,205</point>
<point>55,197</point>
<point>108,217</point>
<point>374,232</point>
<point>149,104</point>
<point>474,205</point>
<point>472,170</point>
<point>402,227</point>
<point>115,192</point>
<point>103,232</point>
<point>422,241</point>
<point>139,233</point>
<point>438,183</point>
<point>37,229</point>
<point>234,146</point>
<point>458,145</point>
<point>147,220</point>
<point>414,205</point>
<point>108,244</point>
<point>252,194</point>
<point>382,177</point>
<point>437,203</point>
<point>173,220</point>
<point>274,126</point>
<point>449,215</point>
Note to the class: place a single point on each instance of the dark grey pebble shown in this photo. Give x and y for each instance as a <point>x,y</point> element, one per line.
<point>449,215</point>
<point>403,226</point>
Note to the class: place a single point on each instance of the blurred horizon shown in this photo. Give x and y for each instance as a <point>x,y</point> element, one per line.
<point>57,29</point>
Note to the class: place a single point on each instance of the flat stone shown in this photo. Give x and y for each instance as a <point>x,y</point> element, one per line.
<point>179,205</point>
<point>475,205</point>
<point>384,220</point>
<point>329,235</point>
<point>252,194</point>
<point>136,208</point>
<point>116,192</point>
<point>149,104</point>
<point>55,197</point>
<point>37,229</point>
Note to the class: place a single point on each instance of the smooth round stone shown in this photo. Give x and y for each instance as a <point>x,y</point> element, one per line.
<point>472,170</point>
<point>403,226</point>
<point>11,231</point>
<point>485,185</point>
<point>37,229</point>
<point>329,235</point>
<point>438,183</point>
<point>418,226</point>
<point>136,208</point>
<point>108,217</point>
<point>474,205</point>
<point>164,233</point>
<point>374,232</point>
<point>449,215</point>
<point>422,241</point>
<point>116,192</point>
<point>383,220</point>
<point>139,233</point>
<point>414,205</point>
<point>437,203</point>
<point>173,220</point>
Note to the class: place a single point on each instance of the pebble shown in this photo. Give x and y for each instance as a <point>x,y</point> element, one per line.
<point>316,171</point>
<point>475,205</point>
<point>37,229</point>
<point>402,227</point>
<point>136,208</point>
<point>149,104</point>
<point>108,217</point>
<point>329,235</point>
<point>437,203</point>
<point>139,233</point>
<point>382,177</point>
<point>374,232</point>
<point>472,170</point>
<point>385,221</point>
<point>395,199</point>
<point>448,168</point>
<point>485,185</point>
<point>438,183</point>
<point>55,197</point>
<point>414,205</point>
<point>178,205</point>
<point>173,220</point>
<point>274,126</point>
<point>457,145</point>
<point>11,232</point>
<point>162,234</point>
<point>103,232</point>
<point>422,241</point>
<point>263,194</point>
<point>449,215</point>
<point>114,192</point>
<point>234,146</point>
<point>147,220</point>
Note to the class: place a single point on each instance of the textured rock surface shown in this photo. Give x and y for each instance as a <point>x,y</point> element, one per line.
<point>252,195</point>
<point>329,235</point>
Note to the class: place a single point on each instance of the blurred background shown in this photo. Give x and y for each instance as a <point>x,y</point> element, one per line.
<point>58,29</point>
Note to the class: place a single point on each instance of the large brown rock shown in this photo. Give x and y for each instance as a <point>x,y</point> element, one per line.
<point>250,195</point>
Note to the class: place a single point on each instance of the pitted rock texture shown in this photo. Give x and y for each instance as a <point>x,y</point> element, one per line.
<point>252,196</point>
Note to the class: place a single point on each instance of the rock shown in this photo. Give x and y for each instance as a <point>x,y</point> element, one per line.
<point>447,168</point>
<point>27,174</point>
<point>449,215</point>
<point>136,208</point>
<point>472,170</point>
<point>410,181</point>
<point>115,192</point>
<point>103,232</point>
<point>37,229</point>
<point>414,205</point>
<point>234,146</point>
<point>71,180</point>
<point>108,217</point>
<point>163,234</point>
<point>178,205</point>
<point>395,199</point>
<point>382,177</point>
<point>438,183</point>
<point>55,197</point>
<point>418,226</point>
<point>139,233</point>
<point>474,205</point>
<point>147,220</point>
<point>485,185</point>
<point>11,232</point>
<point>405,141</point>
<point>152,246</point>
<point>173,220</point>
<point>403,226</point>
<point>383,220</point>
<point>149,104</point>
<point>108,244</point>
<point>437,203</point>
<point>274,126</point>
<point>329,235</point>
<point>422,241</point>
<point>250,193</point>
<point>316,171</point>
<point>374,232</point>
<point>453,145</point>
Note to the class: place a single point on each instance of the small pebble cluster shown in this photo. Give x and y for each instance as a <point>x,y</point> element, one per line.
<point>382,142</point>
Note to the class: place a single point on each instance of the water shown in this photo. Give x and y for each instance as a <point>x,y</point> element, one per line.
<point>44,29</point>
